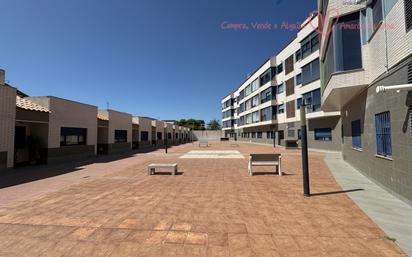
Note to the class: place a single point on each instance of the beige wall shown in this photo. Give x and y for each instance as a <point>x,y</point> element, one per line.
<point>145,124</point>
<point>159,126</point>
<point>119,121</point>
<point>66,113</point>
<point>7,121</point>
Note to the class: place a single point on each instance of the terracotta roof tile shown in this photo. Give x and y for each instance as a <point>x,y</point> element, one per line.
<point>26,104</point>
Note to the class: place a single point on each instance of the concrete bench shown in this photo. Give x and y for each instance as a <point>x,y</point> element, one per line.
<point>203,143</point>
<point>151,169</point>
<point>265,160</point>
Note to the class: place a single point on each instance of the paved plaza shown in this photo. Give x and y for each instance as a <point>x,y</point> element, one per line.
<point>211,208</point>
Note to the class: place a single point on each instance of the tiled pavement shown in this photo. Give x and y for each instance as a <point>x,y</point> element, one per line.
<point>212,209</point>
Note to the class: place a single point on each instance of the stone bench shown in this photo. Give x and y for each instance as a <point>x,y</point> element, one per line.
<point>203,143</point>
<point>151,169</point>
<point>265,160</point>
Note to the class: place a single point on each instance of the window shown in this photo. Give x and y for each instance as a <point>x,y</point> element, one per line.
<point>323,134</point>
<point>159,135</point>
<point>290,86</point>
<point>266,114</point>
<point>267,95</point>
<point>248,105</point>
<point>290,109</point>
<point>343,51</point>
<point>266,77</point>
<point>255,85</point>
<point>169,135</point>
<point>269,134</point>
<point>383,134</point>
<point>248,90</point>
<point>408,14</point>
<point>377,13</point>
<point>144,136</point>
<point>310,44</point>
<point>410,119</point>
<point>356,134</point>
<point>289,63</point>
<point>281,88</point>
<point>120,136</point>
<point>253,134</point>
<point>291,133</point>
<point>298,103</point>
<point>299,79</point>
<point>299,134</point>
<point>248,118</point>
<point>241,95</point>
<point>255,117</point>
<point>280,68</point>
<point>259,134</point>
<point>312,100</point>
<point>310,72</point>
<point>73,136</point>
<point>241,108</point>
<point>255,101</point>
<point>298,55</point>
<point>281,108</point>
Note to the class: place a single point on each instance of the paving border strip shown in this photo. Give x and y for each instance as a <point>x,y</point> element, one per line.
<point>390,213</point>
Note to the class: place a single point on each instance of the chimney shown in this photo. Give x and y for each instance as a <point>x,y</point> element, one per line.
<point>2,77</point>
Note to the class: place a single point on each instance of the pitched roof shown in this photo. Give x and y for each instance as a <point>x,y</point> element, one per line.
<point>26,104</point>
<point>102,116</point>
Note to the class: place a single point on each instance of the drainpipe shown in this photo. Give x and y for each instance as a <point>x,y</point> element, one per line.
<point>398,88</point>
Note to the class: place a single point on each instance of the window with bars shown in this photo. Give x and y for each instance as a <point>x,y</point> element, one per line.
<point>356,134</point>
<point>383,134</point>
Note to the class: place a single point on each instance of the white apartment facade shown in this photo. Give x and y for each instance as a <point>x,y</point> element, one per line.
<point>265,108</point>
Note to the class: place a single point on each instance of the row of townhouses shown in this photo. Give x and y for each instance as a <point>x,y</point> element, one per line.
<point>351,64</point>
<point>50,129</point>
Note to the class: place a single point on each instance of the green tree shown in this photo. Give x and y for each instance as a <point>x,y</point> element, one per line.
<point>192,123</point>
<point>213,125</point>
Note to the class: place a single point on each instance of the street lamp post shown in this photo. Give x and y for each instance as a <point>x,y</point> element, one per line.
<point>304,143</point>
<point>166,141</point>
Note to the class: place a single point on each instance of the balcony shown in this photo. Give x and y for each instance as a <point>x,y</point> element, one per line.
<point>341,88</point>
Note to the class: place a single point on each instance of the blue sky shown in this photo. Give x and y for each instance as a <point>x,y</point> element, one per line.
<point>159,58</point>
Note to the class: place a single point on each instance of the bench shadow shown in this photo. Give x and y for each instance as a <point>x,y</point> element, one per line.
<point>164,173</point>
<point>337,192</point>
<point>263,173</point>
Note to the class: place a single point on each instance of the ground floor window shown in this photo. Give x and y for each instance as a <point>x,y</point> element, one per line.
<point>169,135</point>
<point>383,134</point>
<point>73,136</point>
<point>144,136</point>
<point>356,134</point>
<point>323,134</point>
<point>120,136</point>
<point>159,135</point>
<point>259,135</point>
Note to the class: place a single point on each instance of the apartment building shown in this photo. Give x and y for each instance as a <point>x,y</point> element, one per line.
<point>265,108</point>
<point>228,116</point>
<point>114,131</point>
<point>365,47</point>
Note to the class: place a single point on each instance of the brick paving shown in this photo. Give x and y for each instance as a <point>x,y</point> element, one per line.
<point>213,208</point>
